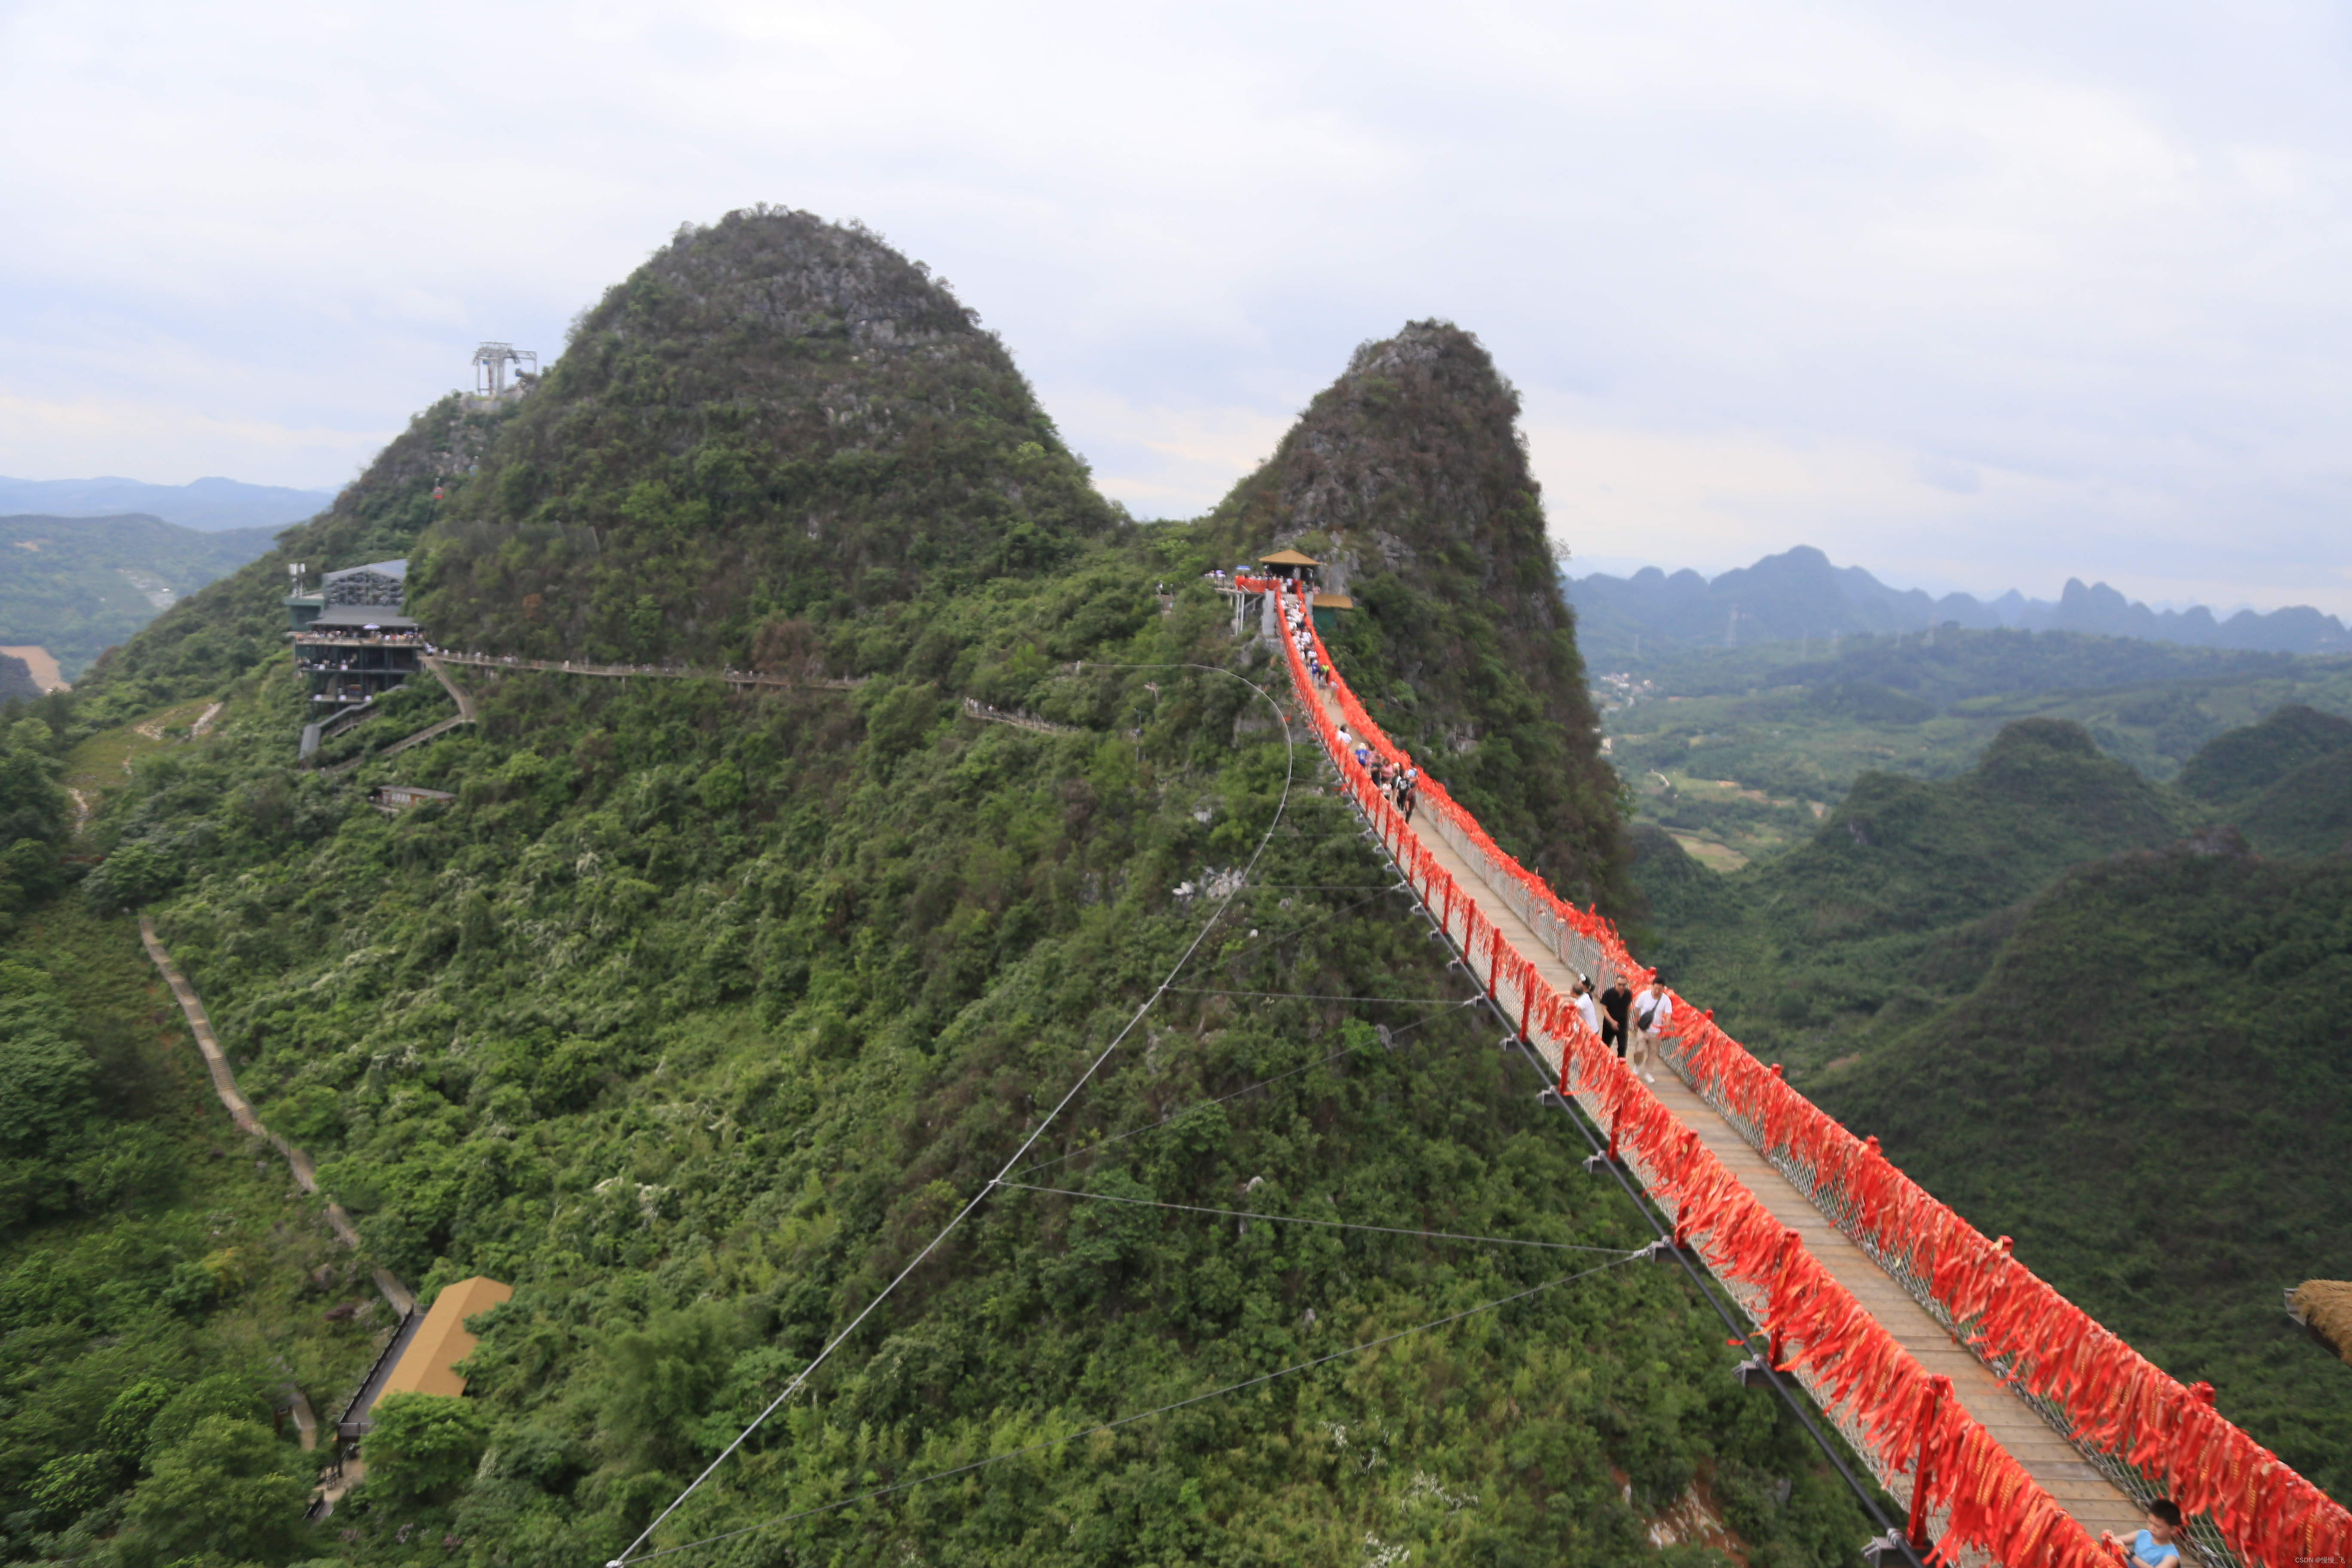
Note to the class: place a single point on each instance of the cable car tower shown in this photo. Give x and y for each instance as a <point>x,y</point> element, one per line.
<point>490,362</point>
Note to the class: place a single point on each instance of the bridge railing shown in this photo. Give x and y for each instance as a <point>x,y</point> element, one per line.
<point>2151,1435</point>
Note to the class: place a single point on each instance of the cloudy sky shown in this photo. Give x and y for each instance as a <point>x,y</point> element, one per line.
<point>1979,297</point>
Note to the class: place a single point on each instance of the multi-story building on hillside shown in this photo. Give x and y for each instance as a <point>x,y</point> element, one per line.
<point>351,642</point>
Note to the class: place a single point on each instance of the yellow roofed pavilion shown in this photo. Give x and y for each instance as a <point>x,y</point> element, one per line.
<point>442,1341</point>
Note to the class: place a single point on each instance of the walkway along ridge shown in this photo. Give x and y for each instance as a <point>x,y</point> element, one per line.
<point>2014,1427</point>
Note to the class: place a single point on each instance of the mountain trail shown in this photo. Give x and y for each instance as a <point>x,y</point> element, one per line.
<point>240,1110</point>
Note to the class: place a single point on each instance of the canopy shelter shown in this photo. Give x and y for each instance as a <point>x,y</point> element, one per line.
<point>1291,565</point>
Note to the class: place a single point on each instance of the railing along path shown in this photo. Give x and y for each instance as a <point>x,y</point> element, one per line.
<point>2014,1427</point>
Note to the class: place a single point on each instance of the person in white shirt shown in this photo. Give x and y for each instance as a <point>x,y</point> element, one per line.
<point>1653,1012</point>
<point>1586,1008</point>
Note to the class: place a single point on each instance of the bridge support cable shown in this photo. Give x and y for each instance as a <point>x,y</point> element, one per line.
<point>1892,1544</point>
<point>1290,769</point>
<point>1044,1444</point>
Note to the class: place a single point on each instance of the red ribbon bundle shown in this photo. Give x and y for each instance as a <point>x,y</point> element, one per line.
<point>2116,1399</point>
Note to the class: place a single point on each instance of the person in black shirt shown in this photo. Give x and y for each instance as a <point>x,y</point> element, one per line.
<point>1615,1004</point>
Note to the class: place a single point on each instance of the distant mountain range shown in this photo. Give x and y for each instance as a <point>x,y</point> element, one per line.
<point>206,505</point>
<point>1799,593</point>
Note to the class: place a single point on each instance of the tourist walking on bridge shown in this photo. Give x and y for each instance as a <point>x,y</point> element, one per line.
<point>1585,1008</point>
<point>1616,1002</point>
<point>1655,1011</point>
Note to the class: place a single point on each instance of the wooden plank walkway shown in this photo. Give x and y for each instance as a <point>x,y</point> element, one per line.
<point>2052,1461</point>
<point>745,678</point>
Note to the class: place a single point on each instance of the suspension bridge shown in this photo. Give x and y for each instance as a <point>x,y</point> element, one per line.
<point>2013,1428</point>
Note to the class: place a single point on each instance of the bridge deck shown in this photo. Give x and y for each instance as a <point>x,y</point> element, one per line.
<point>2052,1461</point>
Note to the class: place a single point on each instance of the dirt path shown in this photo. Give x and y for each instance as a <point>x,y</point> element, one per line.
<point>240,1110</point>
<point>641,671</point>
<point>42,663</point>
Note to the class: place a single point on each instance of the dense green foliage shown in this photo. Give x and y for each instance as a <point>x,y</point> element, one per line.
<point>1406,477</point>
<point>2149,1091</point>
<point>698,1013</point>
<point>774,417</point>
<point>34,812</point>
<point>2234,774</point>
<point>2076,1008</point>
<point>1876,915</point>
<point>2309,812</point>
<point>78,584</point>
<point>2287,781</point>
<point>154,1275</point>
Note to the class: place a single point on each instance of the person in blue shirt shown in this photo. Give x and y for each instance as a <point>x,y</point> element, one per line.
<point>2152,1546</point>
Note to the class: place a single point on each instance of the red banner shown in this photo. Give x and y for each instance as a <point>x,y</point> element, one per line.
<point>2115,1400</point>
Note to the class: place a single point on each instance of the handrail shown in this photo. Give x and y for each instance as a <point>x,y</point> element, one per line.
<point>2138,1422</point>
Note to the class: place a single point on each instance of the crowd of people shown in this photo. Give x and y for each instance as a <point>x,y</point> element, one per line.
<point>1400,782</point>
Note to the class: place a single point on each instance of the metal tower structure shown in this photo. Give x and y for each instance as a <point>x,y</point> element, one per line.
<point>490,362</point>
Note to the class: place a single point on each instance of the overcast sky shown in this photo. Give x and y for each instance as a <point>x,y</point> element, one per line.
<point>1979,297</point>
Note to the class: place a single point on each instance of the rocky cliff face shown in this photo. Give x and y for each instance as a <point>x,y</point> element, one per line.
<point>775,416</point>
<point>1408,476</point>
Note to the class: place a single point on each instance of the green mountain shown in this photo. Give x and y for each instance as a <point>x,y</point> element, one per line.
<point>2287,781</point>
<point>773,416</point>
<point>2309,812</point>
<point>1888,907</point>
<point>698,1012</point>
<point>1405,476</point>
<point>76,585</point>
<point>2081,1011</point>
<point>2147,1089</point>
<point>2233,770</point>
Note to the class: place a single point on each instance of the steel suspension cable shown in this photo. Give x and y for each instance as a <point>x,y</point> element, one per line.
<point>1290,768</point>
<point>1180,1114</point>
<point>1043,1444</point>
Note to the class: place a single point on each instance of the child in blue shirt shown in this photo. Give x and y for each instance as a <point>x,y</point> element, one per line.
<point>2152,1546</point>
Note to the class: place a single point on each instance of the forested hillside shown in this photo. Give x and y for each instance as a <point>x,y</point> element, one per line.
<point>2145,1090</point>
<point>1407,479</point>
<point>76,585</point>
<point>697,1013</point>
<point>2074,1004</point>
<point>774,416</point>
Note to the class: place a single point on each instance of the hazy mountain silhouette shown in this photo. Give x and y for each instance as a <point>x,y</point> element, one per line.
<point>1799,593</point>
<point>208,505</point>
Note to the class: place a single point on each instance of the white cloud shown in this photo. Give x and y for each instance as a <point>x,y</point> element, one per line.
<point>1798,273</point>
